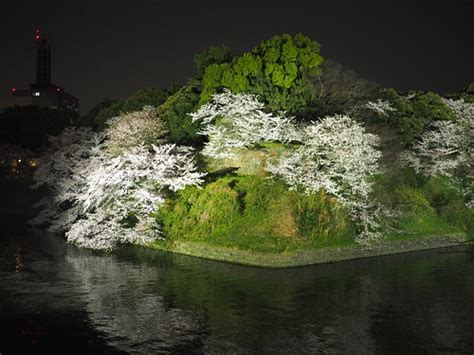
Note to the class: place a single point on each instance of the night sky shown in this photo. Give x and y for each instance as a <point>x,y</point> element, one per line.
<point>109,49</point>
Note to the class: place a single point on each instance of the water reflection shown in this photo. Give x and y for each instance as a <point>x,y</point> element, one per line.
<point>121,304</point>
<point>143,301</point>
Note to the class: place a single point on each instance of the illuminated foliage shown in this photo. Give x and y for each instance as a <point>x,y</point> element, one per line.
<point>131,129</point>
<point>234,121</point>
<point>100,199</point>
<point>446,148</point>
<point>135,102</point>
<point>413,114</point>
<point>278,70</point>
<point>175,114</point>
<point>341,158</point>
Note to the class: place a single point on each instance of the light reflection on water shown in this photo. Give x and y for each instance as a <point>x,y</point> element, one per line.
<point>144,301</point>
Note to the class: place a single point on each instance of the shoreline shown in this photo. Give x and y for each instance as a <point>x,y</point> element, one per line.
<point>299,258</point>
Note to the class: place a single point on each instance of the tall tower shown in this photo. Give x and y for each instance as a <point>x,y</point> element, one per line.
<point>43,60</point>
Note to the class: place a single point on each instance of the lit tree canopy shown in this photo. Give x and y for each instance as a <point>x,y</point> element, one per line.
<point>102,198</point>
<point>240,121</point>
<point>446,148</point>
<point>278,70</point>
<point>339,156</point>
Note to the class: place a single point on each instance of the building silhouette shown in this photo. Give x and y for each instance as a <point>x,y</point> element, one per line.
<point>42,93</point>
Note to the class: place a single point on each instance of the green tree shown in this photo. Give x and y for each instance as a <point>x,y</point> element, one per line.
<point>414,113</point>
<point>145,97</point>
<point>135,102</point>
<point>211,55</point>
<point>90,118</point>
<point>278,70</point>
<point>175,113</point>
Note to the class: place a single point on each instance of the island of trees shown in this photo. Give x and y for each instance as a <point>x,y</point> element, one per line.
<point>273,151</point>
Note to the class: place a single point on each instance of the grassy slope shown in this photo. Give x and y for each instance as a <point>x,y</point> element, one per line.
<point>254,213</point>
<point>257,214</point>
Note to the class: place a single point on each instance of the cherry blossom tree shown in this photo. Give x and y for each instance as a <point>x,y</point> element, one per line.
<point>133,128</point>
<point>101,199</point>
<point>446,148</point>
<point>233,121</point>
<point>339,156</point>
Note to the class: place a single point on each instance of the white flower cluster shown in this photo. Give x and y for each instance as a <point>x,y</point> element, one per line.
<point>380,107</point>
<point>447,148</point>
<point>240,121</point>
<point>133,128</point>
<point>101,200</point>
<point>339,156</point>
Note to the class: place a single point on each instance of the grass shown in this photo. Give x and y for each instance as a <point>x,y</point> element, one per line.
<point>257,214</point>
<point>253,213</point>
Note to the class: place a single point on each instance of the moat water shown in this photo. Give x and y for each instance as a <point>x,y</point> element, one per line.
<point>58,299</point>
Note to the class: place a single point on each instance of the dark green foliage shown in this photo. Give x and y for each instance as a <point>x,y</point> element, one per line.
<point>30,126</point>
<point>135,102</point>
<point>339,90</point>
<point>255,214</point>
<point>427,206</point>
<point>445,195</point>
<point>470,88</point>
<point>278,70</point>
<point>150,96</point>
<point>412,116</point>
<point>211,55</point>
<point>175,113</point>
<point>89,120</point>
<point>108,112</point>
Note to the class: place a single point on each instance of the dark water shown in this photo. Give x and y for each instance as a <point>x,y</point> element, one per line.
<point>55,298</point>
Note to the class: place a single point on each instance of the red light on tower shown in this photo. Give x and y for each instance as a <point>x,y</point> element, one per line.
<point>37,34</point>
<point>58,90</point>
<point>13,89</point>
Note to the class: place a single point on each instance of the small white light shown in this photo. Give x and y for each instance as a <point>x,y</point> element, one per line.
<point>19,160</point>
<point>36,93</point>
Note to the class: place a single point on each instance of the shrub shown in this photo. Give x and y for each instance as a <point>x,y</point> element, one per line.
<point>253,213</point>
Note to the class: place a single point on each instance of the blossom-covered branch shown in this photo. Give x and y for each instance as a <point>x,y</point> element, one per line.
<point>447,148</point>
<point>100,198</point>
<point>240,121</point>
<point>339,156</point>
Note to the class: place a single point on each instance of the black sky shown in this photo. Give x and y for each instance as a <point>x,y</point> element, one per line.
<point>113,48</point>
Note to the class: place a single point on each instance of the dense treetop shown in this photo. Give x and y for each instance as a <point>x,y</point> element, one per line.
<point>278,70</point>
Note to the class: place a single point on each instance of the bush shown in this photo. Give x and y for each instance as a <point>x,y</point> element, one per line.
<point>424,206</point>
<point>254,213</point>
<point>278,70</point>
